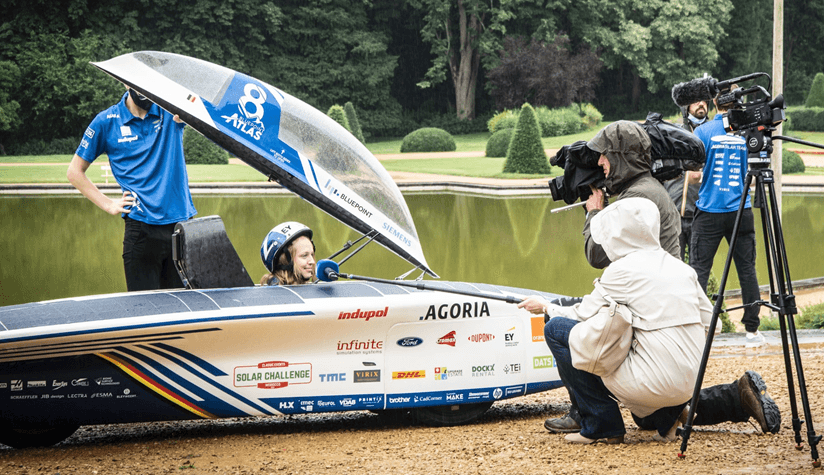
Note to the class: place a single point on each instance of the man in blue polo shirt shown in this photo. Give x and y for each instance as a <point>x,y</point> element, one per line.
<point>145,148</point>
<point>718,200</point>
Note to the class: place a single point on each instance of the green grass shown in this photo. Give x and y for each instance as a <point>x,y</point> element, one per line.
<point>57,174</point>
<point>43,159</point>
<point>477,142</point>
<point>483,167</point>
<point>815,137</point>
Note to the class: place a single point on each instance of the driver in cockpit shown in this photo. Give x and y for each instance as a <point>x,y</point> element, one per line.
<point>289,254</point>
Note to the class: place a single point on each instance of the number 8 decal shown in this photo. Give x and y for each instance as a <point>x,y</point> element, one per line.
<point>250,98</point>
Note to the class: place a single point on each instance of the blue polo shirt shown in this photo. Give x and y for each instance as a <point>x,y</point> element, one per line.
<point>146,156</point>
<point>725,169</point>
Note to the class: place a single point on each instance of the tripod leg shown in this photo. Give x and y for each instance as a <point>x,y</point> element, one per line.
<point>785,301</point>
<point>716,311</point>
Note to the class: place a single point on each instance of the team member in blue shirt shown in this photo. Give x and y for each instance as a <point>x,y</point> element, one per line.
<point>718,200</point>
<point>145,148</point>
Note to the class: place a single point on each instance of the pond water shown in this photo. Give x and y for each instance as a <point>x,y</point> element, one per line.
<point>64,246</point>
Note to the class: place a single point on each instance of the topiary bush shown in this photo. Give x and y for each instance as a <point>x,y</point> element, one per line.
<point>337,114</point>
<point>428,139</point>
<point>354,123</point>
<point>791,162</point>
<point>498,143</point>
<point>526,151</point>
<point>816,96</point>
<point>199,150</point>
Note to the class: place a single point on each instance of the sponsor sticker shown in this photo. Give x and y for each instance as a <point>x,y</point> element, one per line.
<point>541,362</point>
<point>441,373</point>
<point>481,371</point>
<point>365,315</point>
<point>273,375</point>
<point>512,368</point>
<point>410,341</point>
<point>358,347</point>
<point>481,337</point>
<point>367,376</point>
<point>537,329</point>
<point>408,374</point>
<point>448,339</point>
<point>510,338</point>
<point>456,310</point>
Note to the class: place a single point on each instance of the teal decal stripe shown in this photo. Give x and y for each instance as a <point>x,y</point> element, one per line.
<point>205,365</point>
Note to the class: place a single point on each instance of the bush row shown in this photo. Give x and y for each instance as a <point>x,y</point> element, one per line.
<point>808,119</point>
<point>66,146</point>
<point>553,122</point>
<point>201,151</point>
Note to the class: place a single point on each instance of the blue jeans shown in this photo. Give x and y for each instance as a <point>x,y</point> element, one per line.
<point>600,416</point>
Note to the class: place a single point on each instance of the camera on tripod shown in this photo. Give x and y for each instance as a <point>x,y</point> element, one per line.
<point>581,169</point>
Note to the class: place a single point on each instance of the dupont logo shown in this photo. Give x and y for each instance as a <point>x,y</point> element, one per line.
<point>481,337</point>
<point>448,339</point>
<point>408,374</point>
<point>366,315</point>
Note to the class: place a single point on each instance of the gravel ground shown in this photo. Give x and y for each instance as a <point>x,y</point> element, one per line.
<point>510,438</point>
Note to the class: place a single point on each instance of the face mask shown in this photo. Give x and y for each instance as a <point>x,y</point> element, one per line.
<point>696,121</point>
<point>140,100</point>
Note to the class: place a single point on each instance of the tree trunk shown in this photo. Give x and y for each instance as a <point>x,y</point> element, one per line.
<point>464,63</point>
<point>636,90</point>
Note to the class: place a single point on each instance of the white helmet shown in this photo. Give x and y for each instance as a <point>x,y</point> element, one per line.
<point>278,240</point>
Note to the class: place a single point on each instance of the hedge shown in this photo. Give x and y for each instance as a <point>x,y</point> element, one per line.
<point>354,123</point>
<point>815,98</point>
<point>553,122</point>
<point>498,143</point>
<point>806,119</point>
<point>791,162</point>
<point>428,139</point>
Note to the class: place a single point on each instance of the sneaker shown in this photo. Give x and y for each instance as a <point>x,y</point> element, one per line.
<point>754,340</point>
<point>562,425</point>
<point>577,438</point>
<point>757,403</point>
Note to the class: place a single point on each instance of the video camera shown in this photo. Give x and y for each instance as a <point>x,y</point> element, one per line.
<point>580,164</point>
<point>754,120</point>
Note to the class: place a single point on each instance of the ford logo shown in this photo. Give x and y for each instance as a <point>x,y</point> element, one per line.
<point>410,341</point>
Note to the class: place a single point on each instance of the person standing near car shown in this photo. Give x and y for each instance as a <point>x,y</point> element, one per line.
<point>718,201</point>
<point>144,144</point>
<point>694,115</point>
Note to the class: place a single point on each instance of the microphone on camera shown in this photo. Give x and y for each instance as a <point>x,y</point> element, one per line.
<point>701,89</point>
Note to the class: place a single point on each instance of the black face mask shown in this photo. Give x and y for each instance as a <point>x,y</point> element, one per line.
<point>140,100</point>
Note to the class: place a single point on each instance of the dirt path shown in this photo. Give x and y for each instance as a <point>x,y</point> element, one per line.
<point>509,439</point>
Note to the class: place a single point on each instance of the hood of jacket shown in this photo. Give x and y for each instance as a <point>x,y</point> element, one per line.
<point>627,147</point>
<point>628,225</point>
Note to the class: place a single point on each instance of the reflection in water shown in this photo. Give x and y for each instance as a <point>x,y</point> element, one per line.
<point>55,247</point>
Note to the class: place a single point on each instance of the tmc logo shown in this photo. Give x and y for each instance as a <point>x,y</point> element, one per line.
<point>332,377</point>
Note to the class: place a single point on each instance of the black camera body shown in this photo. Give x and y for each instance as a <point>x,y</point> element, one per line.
<point>581,169</point>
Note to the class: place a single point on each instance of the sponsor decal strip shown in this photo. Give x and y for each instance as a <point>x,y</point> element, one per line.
<point>150,383</point>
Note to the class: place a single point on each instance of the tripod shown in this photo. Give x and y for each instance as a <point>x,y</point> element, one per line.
<point>782,300</point>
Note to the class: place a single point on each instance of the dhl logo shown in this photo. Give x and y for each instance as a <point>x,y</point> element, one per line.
<point>408,374</point>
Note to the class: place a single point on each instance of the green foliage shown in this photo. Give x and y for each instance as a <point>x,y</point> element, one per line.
<point>556,122</point>
<point>810,318</point>
<point>712,288</point>
<point>428,139</point>
<point>202,151</point>
<point>352,119</point>
<point>807,119</point>
<point>337,114</point>
<point>590,116</point>
<point>816,96</point>
<point>454,125</point>
<point>507,119</point>
<point>791,162</point>
<point>526,151</point>
<point>66,146</point>
<point>498,143</point>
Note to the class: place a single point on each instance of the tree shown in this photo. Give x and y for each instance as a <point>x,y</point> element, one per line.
<point>337,114</point>
<point>354,123</point>
<point>545,74</point>
<point>816,96</point>
<point>662,42</point>
<point>461,33</point>
<point>9,118</point>
<point>526,151</point>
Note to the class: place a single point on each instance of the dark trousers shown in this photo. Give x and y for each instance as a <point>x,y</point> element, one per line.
<point>147,256</point>
<point>686,234</point>
<point>707,231</point>
<point>600,416</point>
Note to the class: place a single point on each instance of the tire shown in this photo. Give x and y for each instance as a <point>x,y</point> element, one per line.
<point>21,438</point>
<point>439,416</point>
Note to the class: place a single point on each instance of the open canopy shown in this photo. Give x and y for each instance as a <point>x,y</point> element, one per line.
<point>282,137</point>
